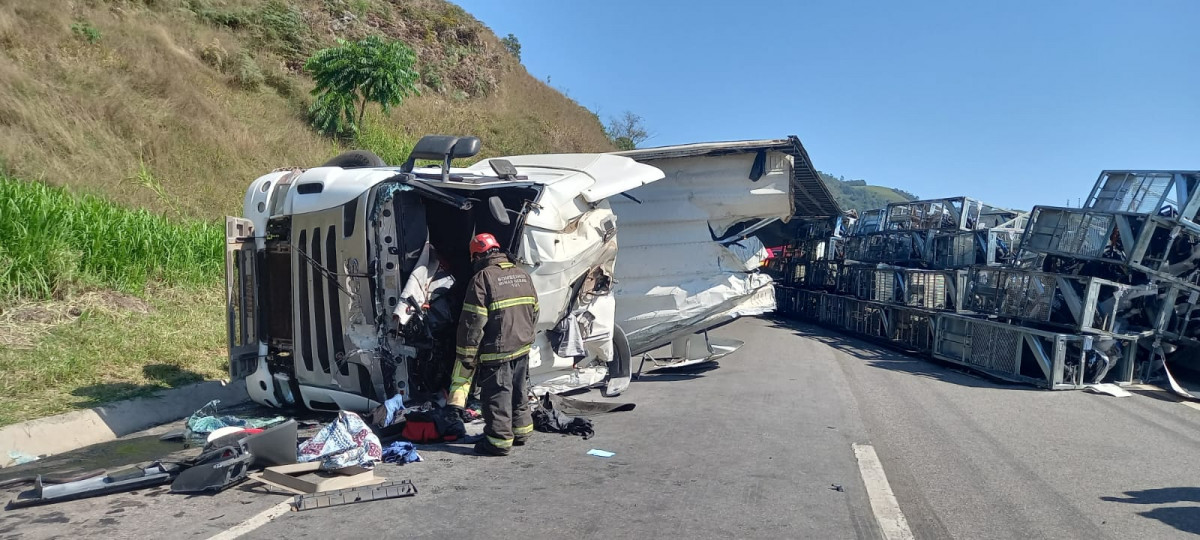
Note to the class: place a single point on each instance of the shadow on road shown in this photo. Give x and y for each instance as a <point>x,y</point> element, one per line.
<point>882,357</point>
<point>1184,518</point>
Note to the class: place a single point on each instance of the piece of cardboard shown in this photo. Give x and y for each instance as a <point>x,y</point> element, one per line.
<point>303,478</point>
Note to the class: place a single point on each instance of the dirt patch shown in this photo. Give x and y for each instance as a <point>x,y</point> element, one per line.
<point>22,325</point>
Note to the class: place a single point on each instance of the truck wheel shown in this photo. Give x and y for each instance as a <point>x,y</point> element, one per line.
<point>355,159</point>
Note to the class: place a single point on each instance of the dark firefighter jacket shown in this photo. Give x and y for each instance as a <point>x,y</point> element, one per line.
<point>499,313</point>
<point>497,323</point>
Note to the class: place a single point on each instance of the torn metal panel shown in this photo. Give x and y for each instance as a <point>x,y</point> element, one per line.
<point>691,249</point>
<point>810,196</point>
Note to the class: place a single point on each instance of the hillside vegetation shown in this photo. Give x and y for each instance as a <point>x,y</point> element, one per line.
<point>175,105</point>
<point>128,128</point>
<point>857,195</point>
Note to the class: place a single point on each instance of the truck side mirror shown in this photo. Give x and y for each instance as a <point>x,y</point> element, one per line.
<point>498,210</point>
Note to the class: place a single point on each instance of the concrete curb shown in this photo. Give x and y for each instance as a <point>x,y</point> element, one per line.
<point>74,430</point>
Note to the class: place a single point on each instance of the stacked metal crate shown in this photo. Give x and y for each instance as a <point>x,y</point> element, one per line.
<point>1060,297</point>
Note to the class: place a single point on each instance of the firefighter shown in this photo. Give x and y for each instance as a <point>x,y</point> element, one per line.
<point>495,333</point>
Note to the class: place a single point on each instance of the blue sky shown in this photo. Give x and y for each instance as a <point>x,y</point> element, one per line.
<point>1015,102</point>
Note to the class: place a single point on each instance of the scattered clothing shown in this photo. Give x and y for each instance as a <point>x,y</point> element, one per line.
<point>601,453</point>
<point>554,421</point>
<point>427,282</point>
<point>393,406</point>
<point>345,442</point>
<point>401,452</point>
<point>433,426</point>
<point>570,338</point>
<point>206,420</point>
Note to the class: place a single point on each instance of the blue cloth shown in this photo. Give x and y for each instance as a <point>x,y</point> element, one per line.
<point>393,406</point>
<point>401,452</point>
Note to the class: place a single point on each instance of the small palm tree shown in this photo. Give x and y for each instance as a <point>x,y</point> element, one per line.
<point>357,72</point>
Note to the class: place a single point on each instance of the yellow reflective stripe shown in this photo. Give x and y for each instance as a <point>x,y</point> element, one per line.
<point>467,351</point>
<point>506,265</point>
<point>518,301</point>
<point>480,310</point>
<point>494,357</point>
<point>523,430</point>
<point>500,443</point>
<point>458,395</point>
<point>460,385</point>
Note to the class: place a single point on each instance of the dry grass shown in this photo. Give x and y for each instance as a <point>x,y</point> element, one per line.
<point>201,97</point>
<point>116,347</point>
<point>165,89</point>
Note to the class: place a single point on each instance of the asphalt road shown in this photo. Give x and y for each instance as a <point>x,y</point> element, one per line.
<point>755,448</point>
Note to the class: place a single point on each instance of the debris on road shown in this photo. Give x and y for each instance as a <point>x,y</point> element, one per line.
<point>307,478</point>
<point>401,452</point>
<point>345,442</point>
<point>115,482</point>
<point>207,420</point>
<point>1108,389</point>
<point>386,490</point>
<point>601,453</point>
<point>21,459</point>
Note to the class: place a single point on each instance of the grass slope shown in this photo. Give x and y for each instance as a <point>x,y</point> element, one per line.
<point>169,108</point>
<point>105,346</point>
<point>196,98</point>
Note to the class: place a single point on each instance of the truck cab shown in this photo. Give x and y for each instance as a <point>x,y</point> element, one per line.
<point>345,281</point>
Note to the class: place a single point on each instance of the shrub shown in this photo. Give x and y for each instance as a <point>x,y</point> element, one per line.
<point>513,46</point>
<point>85,31</point>
<point>246,72</point>
<point>357,72</point>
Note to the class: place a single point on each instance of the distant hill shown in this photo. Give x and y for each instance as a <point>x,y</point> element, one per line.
<point>857,195</point>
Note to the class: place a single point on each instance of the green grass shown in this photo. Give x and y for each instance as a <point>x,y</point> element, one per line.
<point>118,347</point>
<point>55,242</point>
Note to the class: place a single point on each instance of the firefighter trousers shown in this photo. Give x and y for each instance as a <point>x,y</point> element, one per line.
<point>504,391</point>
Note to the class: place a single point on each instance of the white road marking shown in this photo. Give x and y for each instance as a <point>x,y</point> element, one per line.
<point>883,502</point>
<point>1191,404</point>
<point>255,522</point>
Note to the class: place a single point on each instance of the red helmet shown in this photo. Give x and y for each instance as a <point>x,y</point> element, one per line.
<point>483,242</point>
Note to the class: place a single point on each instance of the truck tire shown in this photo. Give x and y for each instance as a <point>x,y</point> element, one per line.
<point>355,159</point>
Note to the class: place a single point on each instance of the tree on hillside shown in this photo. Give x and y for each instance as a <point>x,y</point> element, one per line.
<point>511,43</point>
<point>626,131</point>
<point>357,72</point>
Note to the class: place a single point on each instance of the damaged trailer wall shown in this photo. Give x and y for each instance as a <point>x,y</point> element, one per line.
<point>686,262</point>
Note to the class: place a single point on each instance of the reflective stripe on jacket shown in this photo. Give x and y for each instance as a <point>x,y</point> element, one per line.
<point>499,313</point>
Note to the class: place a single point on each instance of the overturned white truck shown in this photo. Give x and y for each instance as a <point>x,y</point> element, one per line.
<point>345,281</point>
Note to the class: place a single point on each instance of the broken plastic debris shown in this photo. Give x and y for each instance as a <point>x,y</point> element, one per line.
<point>1109,389</point>
<point>21,459</point>
<point>601,453</point>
